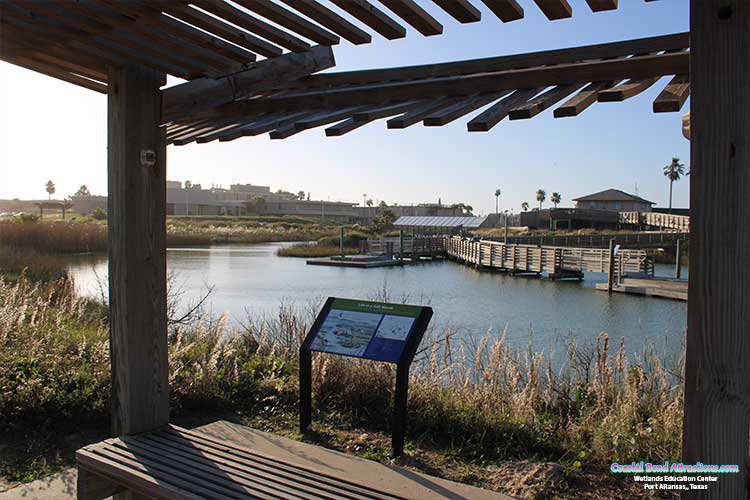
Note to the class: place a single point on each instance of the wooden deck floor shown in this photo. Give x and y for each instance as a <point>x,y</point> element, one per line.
<point>655,287</point>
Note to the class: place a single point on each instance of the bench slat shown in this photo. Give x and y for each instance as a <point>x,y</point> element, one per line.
<point>232,448</point>
<point>137,479</point>
<point>202,454</point>
<point>316,480</point>
<point>215,470</point>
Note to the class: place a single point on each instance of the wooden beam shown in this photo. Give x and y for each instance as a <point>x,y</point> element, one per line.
<point>674,95</point>
<point>90,486</point>
<point>555,9</point>
<point>495,113</point>
<point>637,68</point>
<point>543,101</point>
<point>264,124</point>
<point>372,17</point>
<point>345,126</point>
<point>443,116</point>
<point>387,110</point>
<point>461,10</point>
<point>492,64</point>
<point>717,365</point>
<point>289,20</point>
<point>626,90</point>
<point>219,28</point>
<point>137,251</point>
<point>191,98</point>
<point>331,20</point>
<point>581,101</point>
<point>601,5</point>
<point>252,24</point>
<point>505,10</point>
<point>416,16</point>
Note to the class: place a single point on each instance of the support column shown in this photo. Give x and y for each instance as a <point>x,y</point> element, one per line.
<point>717,371</point>
<point>136,163</point>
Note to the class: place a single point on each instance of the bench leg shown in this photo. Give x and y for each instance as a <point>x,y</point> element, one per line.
<point>93,487</point>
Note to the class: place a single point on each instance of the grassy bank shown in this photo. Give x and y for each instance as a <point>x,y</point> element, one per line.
<point>326,246</point>
<point>86,236</point>
<point>481,412</point>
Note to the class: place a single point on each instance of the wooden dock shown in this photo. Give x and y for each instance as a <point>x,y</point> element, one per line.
<point>557,262</point>
<point>668,288</point>
<point>358,261</point>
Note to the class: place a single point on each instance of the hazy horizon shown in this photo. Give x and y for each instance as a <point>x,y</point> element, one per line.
<point>56,131</point>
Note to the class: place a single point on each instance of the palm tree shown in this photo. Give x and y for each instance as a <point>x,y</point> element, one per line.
<point>300,195</point>
<point>555,198</point>
<point>541,195</point>
<point>497,198</point>
<point>525,206</point>
<point>673,172</point>
<point>50,188</point>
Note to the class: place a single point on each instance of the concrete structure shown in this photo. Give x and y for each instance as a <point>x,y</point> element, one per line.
<point>614,199</point>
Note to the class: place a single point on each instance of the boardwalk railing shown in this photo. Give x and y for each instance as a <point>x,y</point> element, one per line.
<point>419,245</point>
<point>667,221</point>
<point>556,261</point>
<point>639,240</point>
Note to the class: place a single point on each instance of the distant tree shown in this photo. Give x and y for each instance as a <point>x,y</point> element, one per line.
<point>308,196</point>
<point>673,172</point>
<point>300,195</point>
<point>188,184</point>
<point>497,200</point>
<point>384,221</point>
<point>383,204</point>
<point>541,195</point>
<point>99,214</point>
<point>525,206</point>
<point>50,188</point>
<point>83,191</point>
<point>369,202</point>
<point>555,198</point>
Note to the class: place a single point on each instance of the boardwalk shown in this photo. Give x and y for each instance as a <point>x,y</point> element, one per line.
<point>631,240</point>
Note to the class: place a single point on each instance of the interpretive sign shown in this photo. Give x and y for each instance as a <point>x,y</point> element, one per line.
<point>369,330</point>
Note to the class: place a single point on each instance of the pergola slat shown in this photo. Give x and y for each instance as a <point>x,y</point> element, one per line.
<point>602,5</point>
<point>219,132</point>
<point>673,96</point>
<point>444,116</point>
<point>285,18</point>
<point>156,19</point>
<point>388,110</point>
<point>494,114</point>
<point>555,9</point>
<point>331,20</point>
<point>57,72</point>
<point>372,17</point>
<point>542,102</point>
<point>418,113</point>
<point>213,25</point>
<point>90,69</point>
<point>581,101</point>
<point>416,16</point>
<point>252,24</point>
<point>316,120</point>
<point>505,10</point>
<point>626,90</point>
<point>461,10</point>
<point>263,125</point>
<point>345,127</point>
<point>67,38</point>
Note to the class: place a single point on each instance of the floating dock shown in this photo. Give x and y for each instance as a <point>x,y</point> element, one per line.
<point>359,261</point>
<point>655,287</point>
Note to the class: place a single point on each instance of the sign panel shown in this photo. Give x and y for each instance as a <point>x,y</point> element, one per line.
<point>362,329</point>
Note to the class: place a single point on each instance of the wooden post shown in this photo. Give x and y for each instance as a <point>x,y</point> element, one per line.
<point>136,164</point>
<point>401,245</point>
<point>400,398</point>
<point>717,366</point>
<point>677,258</point>
<point>341,241</point>
<point>305,390</point>
<point>505,238</point>
<point>611,265</point>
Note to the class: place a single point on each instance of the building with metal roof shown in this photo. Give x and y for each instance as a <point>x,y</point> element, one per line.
<point>445,223</point>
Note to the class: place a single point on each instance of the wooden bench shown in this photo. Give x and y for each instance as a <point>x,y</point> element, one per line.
<point>175,463</point>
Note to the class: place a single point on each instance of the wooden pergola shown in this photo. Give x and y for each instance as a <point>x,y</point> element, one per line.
<point>249,69</point>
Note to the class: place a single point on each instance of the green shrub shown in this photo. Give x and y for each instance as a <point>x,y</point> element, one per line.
<point>99,214</point>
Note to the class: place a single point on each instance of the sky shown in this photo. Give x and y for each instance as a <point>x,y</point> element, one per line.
<point>54,130</point>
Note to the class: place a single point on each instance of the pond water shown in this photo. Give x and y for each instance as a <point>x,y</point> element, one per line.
<point>252,279</point>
